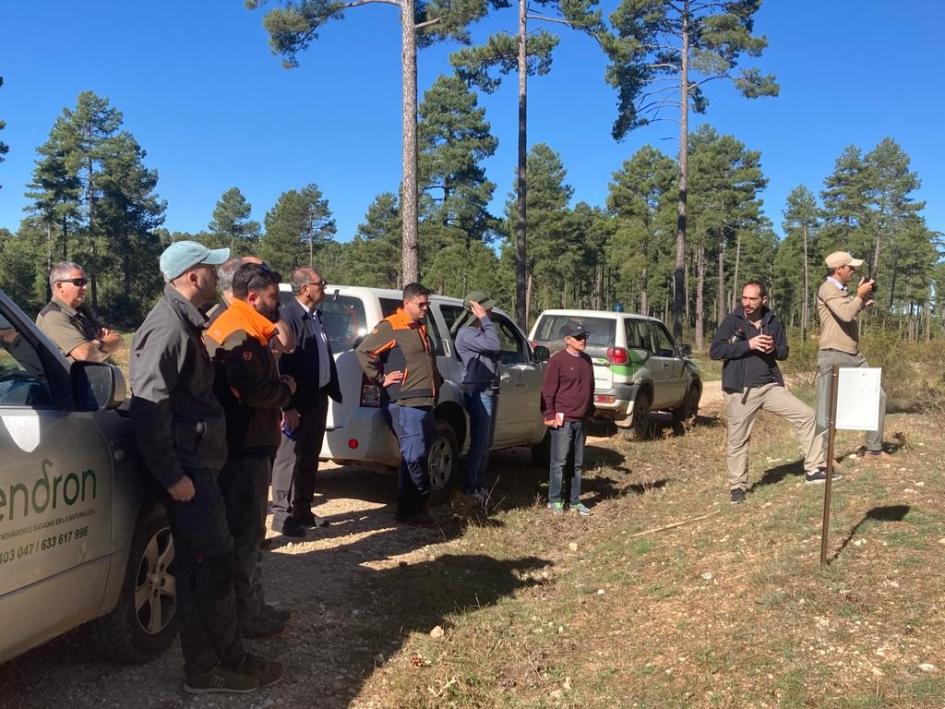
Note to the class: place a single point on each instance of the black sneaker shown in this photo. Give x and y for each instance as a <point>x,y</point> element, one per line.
<point>280,614</point>
<point>265,672</point>
<point>261,625</point>
<point>820,476</point>
<point>221,680</point>
<point>738,497</point>
<point>311,520</point>
<point>293,528</point>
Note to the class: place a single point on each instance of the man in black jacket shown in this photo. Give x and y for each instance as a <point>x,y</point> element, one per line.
<point>751,340</point>
<point>312,366</point>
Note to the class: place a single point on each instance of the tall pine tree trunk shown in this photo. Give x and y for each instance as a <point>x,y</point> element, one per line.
<point>679,292</point>
<point>736,290</point>
<point>408,205</point>
<point>700,294</point>
<point>720,299</point>
<point>521,252</point>
<point>806,288</point>
<point>529,282</point>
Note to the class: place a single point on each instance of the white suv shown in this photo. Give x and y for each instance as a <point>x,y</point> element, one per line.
<point>356,431</point>
<point>638,366</point>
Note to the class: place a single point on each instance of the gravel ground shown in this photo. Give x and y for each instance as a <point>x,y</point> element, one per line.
<point>329,647</point>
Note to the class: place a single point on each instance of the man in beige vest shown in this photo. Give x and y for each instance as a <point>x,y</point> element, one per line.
<point>839,334</point>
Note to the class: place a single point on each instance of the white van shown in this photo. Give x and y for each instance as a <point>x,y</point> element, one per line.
<point>356,430</point>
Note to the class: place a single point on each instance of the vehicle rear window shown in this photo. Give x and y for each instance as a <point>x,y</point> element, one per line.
<point>600,331</point>
<point>343,317</point>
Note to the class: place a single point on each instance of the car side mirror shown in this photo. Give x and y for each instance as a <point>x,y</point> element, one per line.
<point>97,386</point>
<point>686,350</point>
<point>541,353</point>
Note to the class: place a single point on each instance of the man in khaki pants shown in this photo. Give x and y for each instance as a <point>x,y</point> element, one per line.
<point>751,340</point>
<point>839,333</point>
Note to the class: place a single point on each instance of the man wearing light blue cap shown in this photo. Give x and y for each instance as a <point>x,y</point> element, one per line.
<point>181,432</point>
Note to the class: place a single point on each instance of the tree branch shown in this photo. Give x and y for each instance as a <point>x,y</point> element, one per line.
<point>422,25</point>
<point>358,3</point>
<point>556,20</point>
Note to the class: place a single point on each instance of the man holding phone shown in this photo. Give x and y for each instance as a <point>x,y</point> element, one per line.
<point>839,344</point>
<point>751,340</point>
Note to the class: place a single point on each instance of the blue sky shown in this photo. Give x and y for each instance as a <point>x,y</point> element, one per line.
<point>214,109</point>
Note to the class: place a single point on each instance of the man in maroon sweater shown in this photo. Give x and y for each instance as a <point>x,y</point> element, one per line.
<point>567,402</point>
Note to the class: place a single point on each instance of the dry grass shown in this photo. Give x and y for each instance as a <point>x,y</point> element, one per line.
<point>732,610</point>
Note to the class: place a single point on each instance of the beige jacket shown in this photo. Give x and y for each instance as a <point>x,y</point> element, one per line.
<point>838,311</point>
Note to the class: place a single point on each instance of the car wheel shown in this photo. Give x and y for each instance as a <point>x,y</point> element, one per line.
<point>640,419</point>
<point>443,459</point>
<point>690,407</point>
<point>144,622</point>
<point>541,451</point>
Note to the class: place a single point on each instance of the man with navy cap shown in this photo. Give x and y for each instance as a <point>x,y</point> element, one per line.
<point>567,403</point>
<point>181,432</point>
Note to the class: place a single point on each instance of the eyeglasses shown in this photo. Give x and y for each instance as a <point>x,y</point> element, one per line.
<point>321,284</point>
<point>77,282</point>
<point>423,304</point>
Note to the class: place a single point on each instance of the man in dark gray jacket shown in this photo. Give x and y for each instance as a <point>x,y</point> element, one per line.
<point>181,432</point>
<point>478,347</point>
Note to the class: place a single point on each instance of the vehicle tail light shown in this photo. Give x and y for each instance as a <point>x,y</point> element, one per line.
<point>617,355</point>
<point>353,443</point>
<point>370,393</point>
<point>604,398</point>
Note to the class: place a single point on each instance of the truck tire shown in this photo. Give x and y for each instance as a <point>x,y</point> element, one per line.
<point>639,429</point>
<point>443,461</point>
<point>144,622</point>
<point>690,406</point>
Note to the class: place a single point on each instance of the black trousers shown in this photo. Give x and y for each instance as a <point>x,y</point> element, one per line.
<point>203,568</point>
<point>296,463</point>
<point>244,482</point>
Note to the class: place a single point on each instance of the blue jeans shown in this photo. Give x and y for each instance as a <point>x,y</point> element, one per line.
<point>567,453</point>
<point>414,428</point>
<point>481,408</point>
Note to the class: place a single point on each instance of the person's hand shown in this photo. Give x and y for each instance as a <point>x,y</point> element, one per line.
<point>290,420</point>
<point>865,288</point>
<point>183,490</point>
<point>477,309</point>
<point>556,421</point>
<point>762,343</point>
<point>289,381</point>
<point>7,335</point>
<point>393,378</point>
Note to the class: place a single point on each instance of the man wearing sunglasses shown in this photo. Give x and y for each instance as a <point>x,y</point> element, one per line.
<point>312,365</point>
<point>71,325</point>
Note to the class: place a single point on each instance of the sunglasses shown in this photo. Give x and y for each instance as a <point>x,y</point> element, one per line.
<point>77,282</point>
<point>581,336</point>
<point>321,284</point>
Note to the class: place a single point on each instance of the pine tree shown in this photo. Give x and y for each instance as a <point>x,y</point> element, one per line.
<point>296,227</point>
<point>528,54</point>
<point>639,198</point>
<point>231,225</point>
<point>422,22</point>
<point>800,246</point>
<point>664,44</point>
<point>454,139</point>
<point>4,148</point>
<point>372,257</point>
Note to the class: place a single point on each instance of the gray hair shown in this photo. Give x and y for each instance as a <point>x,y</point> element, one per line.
<point>226,271</point>
<point>60,271</point>
<point>301,276</point>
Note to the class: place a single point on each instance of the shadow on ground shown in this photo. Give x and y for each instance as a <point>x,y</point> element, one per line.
<point>886,513</point>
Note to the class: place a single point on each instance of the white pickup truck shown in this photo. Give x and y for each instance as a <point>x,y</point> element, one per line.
<point>83,537</point>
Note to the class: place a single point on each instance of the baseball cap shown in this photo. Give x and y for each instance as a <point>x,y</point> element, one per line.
<point>480,296</point>
<point>184,255</point>
<point>573,329</point>
<point>842,258</point>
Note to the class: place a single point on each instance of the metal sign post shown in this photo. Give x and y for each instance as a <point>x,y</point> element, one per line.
<point>831,435</point>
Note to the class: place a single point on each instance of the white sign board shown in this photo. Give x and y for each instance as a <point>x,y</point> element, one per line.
<point>858,391</point>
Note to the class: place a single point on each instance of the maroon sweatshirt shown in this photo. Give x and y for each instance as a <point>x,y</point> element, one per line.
<point>569,386</point>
